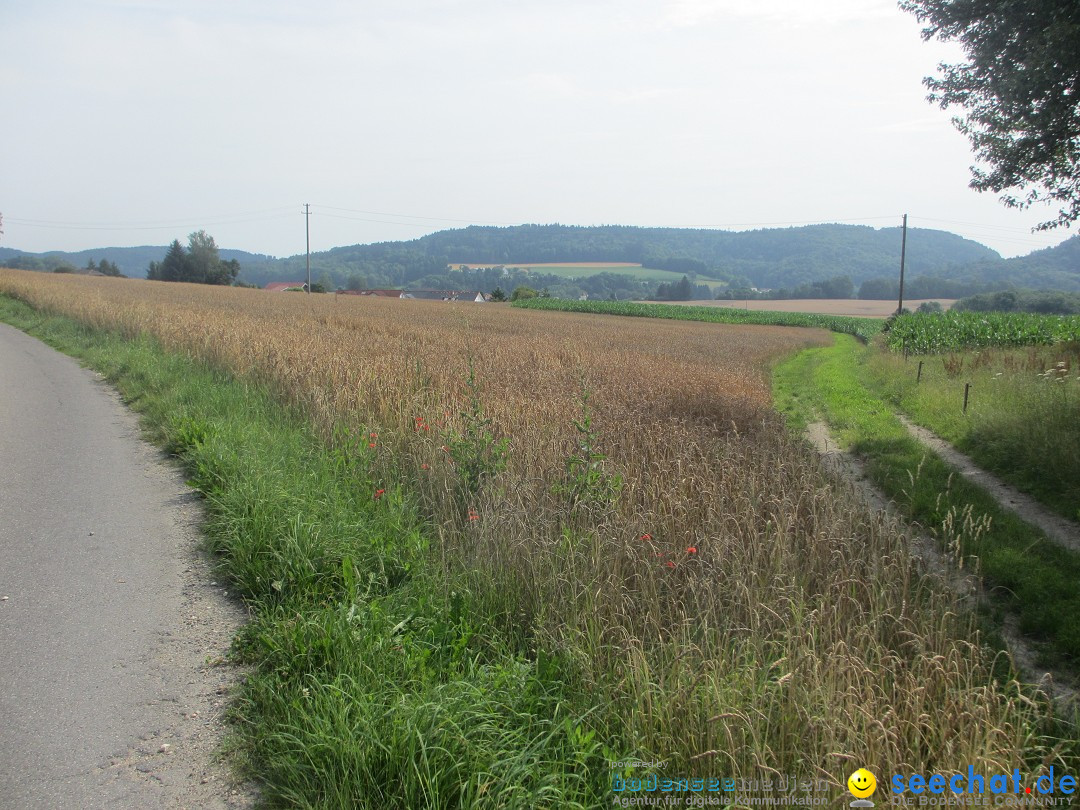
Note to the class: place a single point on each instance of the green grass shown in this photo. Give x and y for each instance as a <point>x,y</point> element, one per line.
<point>1023,415</point>
<point>863,328</point>
<point>1027,573</point>
<point>378,680</point>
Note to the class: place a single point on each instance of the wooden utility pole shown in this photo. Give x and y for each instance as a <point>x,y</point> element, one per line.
<point>903,252</point>
<point>307,230</point>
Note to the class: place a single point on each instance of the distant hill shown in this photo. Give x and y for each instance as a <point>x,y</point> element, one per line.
<point>132,261</point>
<point>766,258</point>
<point>1055,268</point>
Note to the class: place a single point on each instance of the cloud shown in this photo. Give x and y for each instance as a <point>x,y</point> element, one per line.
<point>911,126</point>
<point>788,13</point>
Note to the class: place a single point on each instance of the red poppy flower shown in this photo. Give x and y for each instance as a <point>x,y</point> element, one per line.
<point>379,493</point>
<point>646,537</point>
<point>670,564</point>
<point>371,445</point>
<point>692,550</point>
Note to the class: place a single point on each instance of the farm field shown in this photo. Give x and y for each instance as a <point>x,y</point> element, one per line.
<point>822,306</point>
<point>584,269</point>
<point>595,544</point>
<point>863,328</point>
<point>956,331</point>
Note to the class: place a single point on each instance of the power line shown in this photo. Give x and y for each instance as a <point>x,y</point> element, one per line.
<point>846,221</point>
<point>410,216</point>
<point>165,226</point>
<point>377,221</point>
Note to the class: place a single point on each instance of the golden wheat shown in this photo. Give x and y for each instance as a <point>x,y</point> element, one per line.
<point>743,611</point>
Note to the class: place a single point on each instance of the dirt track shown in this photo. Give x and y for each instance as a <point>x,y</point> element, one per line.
<point>968,588</point>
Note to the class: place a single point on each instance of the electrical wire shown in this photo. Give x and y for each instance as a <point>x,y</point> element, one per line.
<point>154,225</point>
<point>408,216</point>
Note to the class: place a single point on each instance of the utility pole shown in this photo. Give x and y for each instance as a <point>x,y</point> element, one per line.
<point>307,229</point>
<point>903,252</point>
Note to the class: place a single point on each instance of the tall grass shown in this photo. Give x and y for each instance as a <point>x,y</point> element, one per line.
<point>628,557</point>
<point>1023,415</point>
<point>1029,575</point>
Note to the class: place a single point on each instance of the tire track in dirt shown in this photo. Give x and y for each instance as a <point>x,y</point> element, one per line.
<point>968,588</point>
<point>1059,529</point>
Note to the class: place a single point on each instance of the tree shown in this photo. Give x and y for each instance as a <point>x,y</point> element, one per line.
<point>1021,91</point>
<point>355,281</point>
<point>109,268</point>
<point>522,293</point>
<point>879,289</point>
<point>172,267</point>
<point>325,283</point>
<point>498,294</point>
<point>200,263</point>
<point>106,268</point>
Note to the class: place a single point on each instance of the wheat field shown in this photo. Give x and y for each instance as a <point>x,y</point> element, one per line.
<point>643,510</point>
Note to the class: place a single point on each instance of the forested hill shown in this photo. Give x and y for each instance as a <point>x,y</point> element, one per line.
<point>780,257</point>
<point>132,261</point>
<point>772,258</point>
<point>1055,268</point>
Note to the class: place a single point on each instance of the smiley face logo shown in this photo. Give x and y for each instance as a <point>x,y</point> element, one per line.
<point>862,784</point>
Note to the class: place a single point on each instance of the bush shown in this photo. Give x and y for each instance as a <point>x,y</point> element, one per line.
<point>523,293</point>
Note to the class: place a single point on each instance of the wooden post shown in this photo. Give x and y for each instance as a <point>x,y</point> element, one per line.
<point>918,377</point>
<point>967,390</point>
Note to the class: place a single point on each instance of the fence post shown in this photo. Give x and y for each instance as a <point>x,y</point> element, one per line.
<point>918,377</point>
<point>967,390</point>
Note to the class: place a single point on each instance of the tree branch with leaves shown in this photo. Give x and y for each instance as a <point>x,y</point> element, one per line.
<point>1020,90</point>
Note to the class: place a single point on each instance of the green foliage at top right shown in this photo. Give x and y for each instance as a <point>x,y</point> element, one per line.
<point>920,333</point>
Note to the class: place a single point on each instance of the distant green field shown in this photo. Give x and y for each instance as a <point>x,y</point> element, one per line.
<point>862,328</point>
<point>636,271</point>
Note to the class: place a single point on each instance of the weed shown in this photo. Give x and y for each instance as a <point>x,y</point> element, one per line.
<point>587,484</point>
<point>478,454</point>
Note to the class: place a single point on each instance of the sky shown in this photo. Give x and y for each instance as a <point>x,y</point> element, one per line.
<point>134,122</point>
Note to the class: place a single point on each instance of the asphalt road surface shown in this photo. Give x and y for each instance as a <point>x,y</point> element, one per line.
<point>111,624</point>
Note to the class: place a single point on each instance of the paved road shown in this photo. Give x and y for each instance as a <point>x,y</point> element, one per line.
<point>108,615</point>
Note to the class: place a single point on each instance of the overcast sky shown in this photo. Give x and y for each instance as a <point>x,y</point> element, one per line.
<point>130,122</point>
